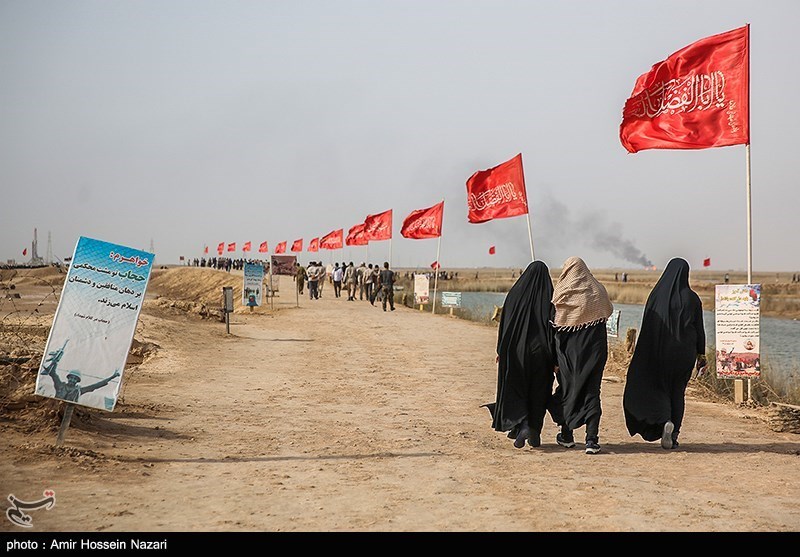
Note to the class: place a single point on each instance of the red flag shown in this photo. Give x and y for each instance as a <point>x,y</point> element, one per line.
<point>263,248</point>
<point>707,262</point>
<point>313,245</point>
<point>232,246</point>
<point>435,265</point>
<point>332,240</point>
<point>221,248</point>
<point>497,193</point>
<point>297,245</point>
<point>379,226</point>
<point>206,250</point>
<point>424,223</point>
<point>25,251</point>
<point>280,248</point>
<point>695,99</point>
<point>355,237</point>
<point>491,250</point>
<point>246,246</point>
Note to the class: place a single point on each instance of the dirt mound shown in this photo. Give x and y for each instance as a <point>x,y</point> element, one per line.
<point>50,276</point>
<point>23,409</point>
<point>196,284</point>
<point>196,290</point>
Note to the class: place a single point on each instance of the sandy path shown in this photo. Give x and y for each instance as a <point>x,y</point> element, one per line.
<point>336,416</point>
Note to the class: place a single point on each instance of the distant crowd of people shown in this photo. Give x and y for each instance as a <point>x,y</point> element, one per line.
<point>225,263</point>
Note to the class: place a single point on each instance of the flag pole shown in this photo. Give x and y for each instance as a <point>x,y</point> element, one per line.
<point>749,244</point>
<point>436,275</point>
<point>749,222</point>
<point>530,235</point>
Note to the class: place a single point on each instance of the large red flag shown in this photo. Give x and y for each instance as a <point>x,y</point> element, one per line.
<point>297,245</point>
<point>280,247</point>
<point>491,250</point>
<point>263,248</point>
<point>435,265</point>
<point>497,193</point>
<point>332,240</point>
<point>221,248</point>
<point>424,223</point>
<point>246,246</point>
<point>313,245</point>
<point>379,226</point>
<point>232,246</point>
<point>697,98</point>
<point>355,236</point>
<point>707,262</point>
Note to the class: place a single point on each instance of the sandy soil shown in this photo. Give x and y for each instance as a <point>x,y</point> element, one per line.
<point>337,416</point>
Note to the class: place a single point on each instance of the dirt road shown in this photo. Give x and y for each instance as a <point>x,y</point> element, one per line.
<point>337,416</point>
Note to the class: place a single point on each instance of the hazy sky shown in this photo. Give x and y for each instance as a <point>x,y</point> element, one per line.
<point>189,123</point>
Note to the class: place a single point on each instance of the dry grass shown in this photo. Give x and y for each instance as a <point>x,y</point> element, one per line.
<point>780,296</point>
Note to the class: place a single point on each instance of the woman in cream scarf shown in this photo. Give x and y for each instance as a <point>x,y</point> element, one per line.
<point>582,307</point>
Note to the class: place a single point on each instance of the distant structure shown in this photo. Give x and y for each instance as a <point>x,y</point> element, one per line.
<point>49,257</point>
<point>35,260</point>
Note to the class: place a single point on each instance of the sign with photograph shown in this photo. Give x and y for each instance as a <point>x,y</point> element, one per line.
<point>94,324</point>
<point>737,314</point>
<point>253,284</point>
<point>421,289</point>
<point>283,265</point>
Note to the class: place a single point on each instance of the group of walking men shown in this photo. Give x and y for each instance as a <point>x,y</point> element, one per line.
<point>365,281</point>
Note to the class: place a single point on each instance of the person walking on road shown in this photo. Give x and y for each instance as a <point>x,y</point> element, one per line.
<point>671,343</point>
<point>582,307</point>
<point>387,278</point>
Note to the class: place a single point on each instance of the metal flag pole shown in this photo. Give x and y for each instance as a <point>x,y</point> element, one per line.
<point>749,244</point>
<point>530,234</point>
<point>749,223</point>
<point>436,274</point>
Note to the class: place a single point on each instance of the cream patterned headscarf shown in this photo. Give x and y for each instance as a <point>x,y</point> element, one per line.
<point>579,298</point>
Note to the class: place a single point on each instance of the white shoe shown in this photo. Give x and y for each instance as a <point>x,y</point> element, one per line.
<point>666,437</point>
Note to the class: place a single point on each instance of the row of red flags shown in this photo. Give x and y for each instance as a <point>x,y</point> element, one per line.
<point>696,98</point>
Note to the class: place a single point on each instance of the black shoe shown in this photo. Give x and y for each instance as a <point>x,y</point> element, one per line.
<point>567,441</point>
<point>666,436</point>
<point>524,433</point>
<point>535,439</point>
<point>675,444</point>
<point>392,309</point>
<point>592,447</point>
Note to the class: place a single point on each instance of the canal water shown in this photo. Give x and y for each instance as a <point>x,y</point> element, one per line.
<point>780,338</point>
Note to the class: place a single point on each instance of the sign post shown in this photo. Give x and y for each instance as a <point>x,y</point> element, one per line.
<point>451,300</point>
<point>93,326</point>
<point>227,306</point>
<point>737,315</point>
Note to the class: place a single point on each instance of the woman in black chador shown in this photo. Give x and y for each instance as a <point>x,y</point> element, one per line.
<point>582,308</point>
<point>671,341</point>
<point>525,357</point>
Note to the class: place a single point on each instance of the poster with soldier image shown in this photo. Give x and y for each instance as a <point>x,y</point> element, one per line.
<point>253,284</point>
<point>94,323</point>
